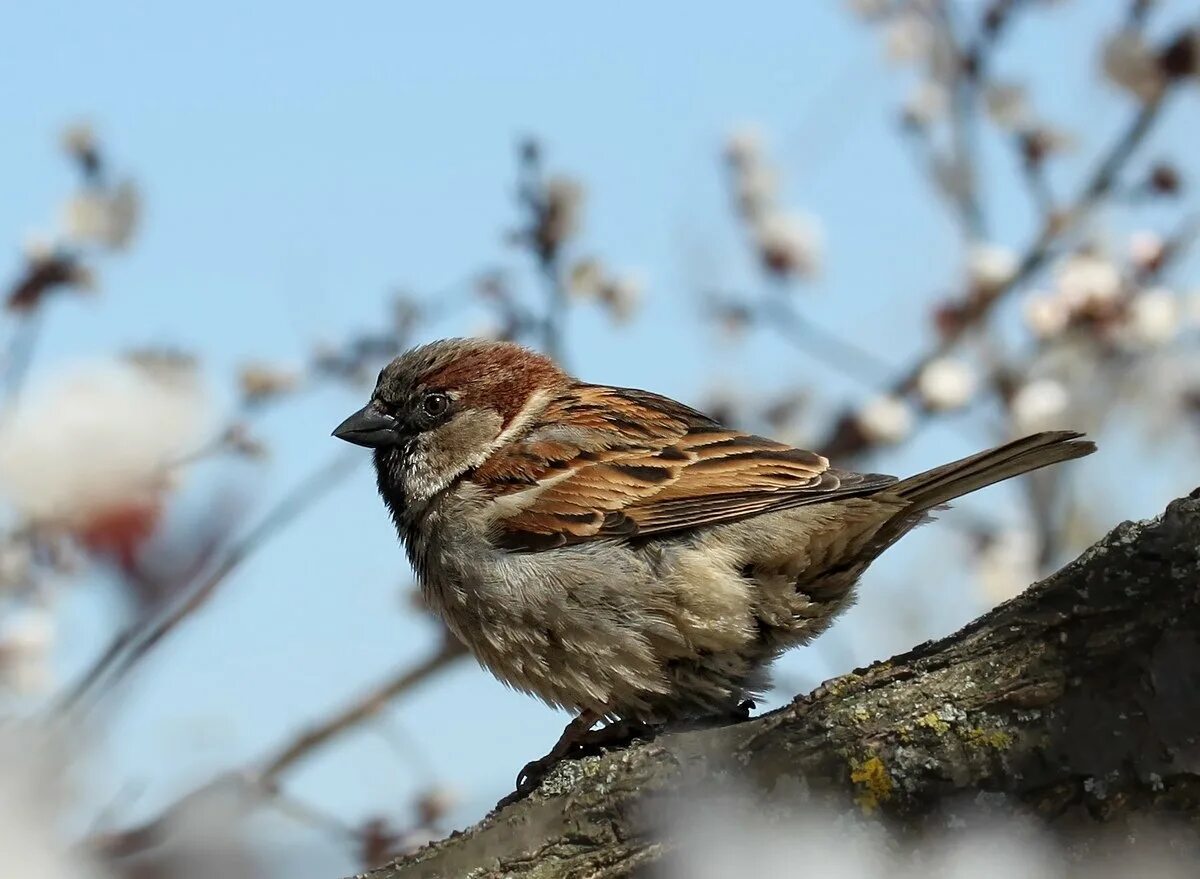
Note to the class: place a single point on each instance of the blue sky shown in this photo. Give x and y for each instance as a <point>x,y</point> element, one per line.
<point>298,163</point>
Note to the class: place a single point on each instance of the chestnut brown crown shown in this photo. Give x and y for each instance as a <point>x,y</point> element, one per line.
<point>428,386</point>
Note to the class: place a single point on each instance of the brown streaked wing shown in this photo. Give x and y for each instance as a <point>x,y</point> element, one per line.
<point>648,465</point>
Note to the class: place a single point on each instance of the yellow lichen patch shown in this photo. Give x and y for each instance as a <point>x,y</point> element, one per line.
<point>989,738</point>
<point>872,777</point>
<point>933,722</point>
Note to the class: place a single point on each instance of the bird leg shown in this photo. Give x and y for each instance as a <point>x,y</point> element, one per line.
<point>534,771</point>
<point>614,734</point>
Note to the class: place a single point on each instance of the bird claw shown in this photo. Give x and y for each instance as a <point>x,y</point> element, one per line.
<point>743,709</point>
<point>577,740</point>
<point>534,771</point>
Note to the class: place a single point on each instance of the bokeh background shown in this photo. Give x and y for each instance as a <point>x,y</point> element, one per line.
<point>894,231</point>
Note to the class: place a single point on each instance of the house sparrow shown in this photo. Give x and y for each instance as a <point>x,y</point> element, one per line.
<point>619,554</point>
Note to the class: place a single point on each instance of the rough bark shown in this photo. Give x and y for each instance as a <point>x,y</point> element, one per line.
<point>1079,700</point>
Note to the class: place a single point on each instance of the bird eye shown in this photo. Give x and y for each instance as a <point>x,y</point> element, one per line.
<point>435,405</point>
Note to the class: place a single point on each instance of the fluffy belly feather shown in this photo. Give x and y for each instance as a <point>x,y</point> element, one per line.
<point>687,627</point>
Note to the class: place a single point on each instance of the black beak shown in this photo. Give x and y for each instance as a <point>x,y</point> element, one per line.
<point>369,427</point>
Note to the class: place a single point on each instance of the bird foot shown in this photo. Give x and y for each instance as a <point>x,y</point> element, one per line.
<point>742,711</point>
<point>577,740</point>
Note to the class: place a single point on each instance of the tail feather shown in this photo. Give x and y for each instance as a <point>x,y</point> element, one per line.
<point>941,484</point>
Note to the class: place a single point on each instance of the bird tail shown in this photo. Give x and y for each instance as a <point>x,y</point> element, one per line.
<point>941,484</point>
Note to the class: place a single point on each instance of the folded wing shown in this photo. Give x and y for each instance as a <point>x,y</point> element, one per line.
<point>609,463</point>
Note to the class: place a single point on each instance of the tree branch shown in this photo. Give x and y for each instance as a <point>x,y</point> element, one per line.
<point>1079,700</point>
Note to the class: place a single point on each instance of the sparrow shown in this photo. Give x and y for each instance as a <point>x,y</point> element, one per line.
<point>617,553</point>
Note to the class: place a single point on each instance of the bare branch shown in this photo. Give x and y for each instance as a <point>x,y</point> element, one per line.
<point>133,644</point>
<point>360,710</point>
<point>268,775</point>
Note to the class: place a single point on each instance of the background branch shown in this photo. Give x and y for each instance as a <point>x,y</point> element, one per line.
<point>844,439</point>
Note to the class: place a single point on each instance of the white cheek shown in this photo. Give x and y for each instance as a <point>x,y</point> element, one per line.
<point>420,480</point>
<point>423,480</point>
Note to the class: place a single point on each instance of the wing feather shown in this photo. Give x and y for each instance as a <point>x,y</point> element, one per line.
<point>612,463</point>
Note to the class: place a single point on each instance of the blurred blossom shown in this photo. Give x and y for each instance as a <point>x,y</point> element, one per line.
<point>734,318</point>
<point>1007,105</point>
<point>206,836</point>
<point>434,804</point>
<point>26,650</point>
<point>724,404</point>
<point>731,835</point>
<point>93,453</point>
<point>908,38</point>
<point>1039,405</point>
<point>1154,317</point>
<point>868,8</point>
<point>1041,140</point>
<point>563,211</point>
<point>1181,57</point>
<point>44,274</point>
<point>1045,314</point>
<point>1001,850</point>
<point>1006,564</point>
<point>621,295</point>
<point>79,139</point>
<point>124,206</point>
<point>927,103</point>
<point>744,146</point>
<point>1146,249</point>
<point>32,798</point>
<point>784,412</point>
<point>734,834</point>
<point>585,278</point>
<point>1164,179</point>
<point>487,328</point>
<point>991,267</point>
<point>37,247</point>
<point>239,440</point>
<point>789,244</point>
<point>885,420</point>
<point>16,563</point>
<point>380,842</point>
<point>946,383</point>
<point>1130,63</point>
<point>755,183</point>
<point>260,382</point>
<point>101,217</point>
<point>756,188</point>
<point>1086,279</point>
<point>85,216</point>
<point>945,57</point>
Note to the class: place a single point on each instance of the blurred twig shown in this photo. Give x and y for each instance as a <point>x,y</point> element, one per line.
<point>19,356</point>
<point>132,645</point>
<point>553,206</point>
<point>963,122</point>
<point>268,774</point>
<point>360,710</point>
<point>838,351</point>
<point>845,439</point>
